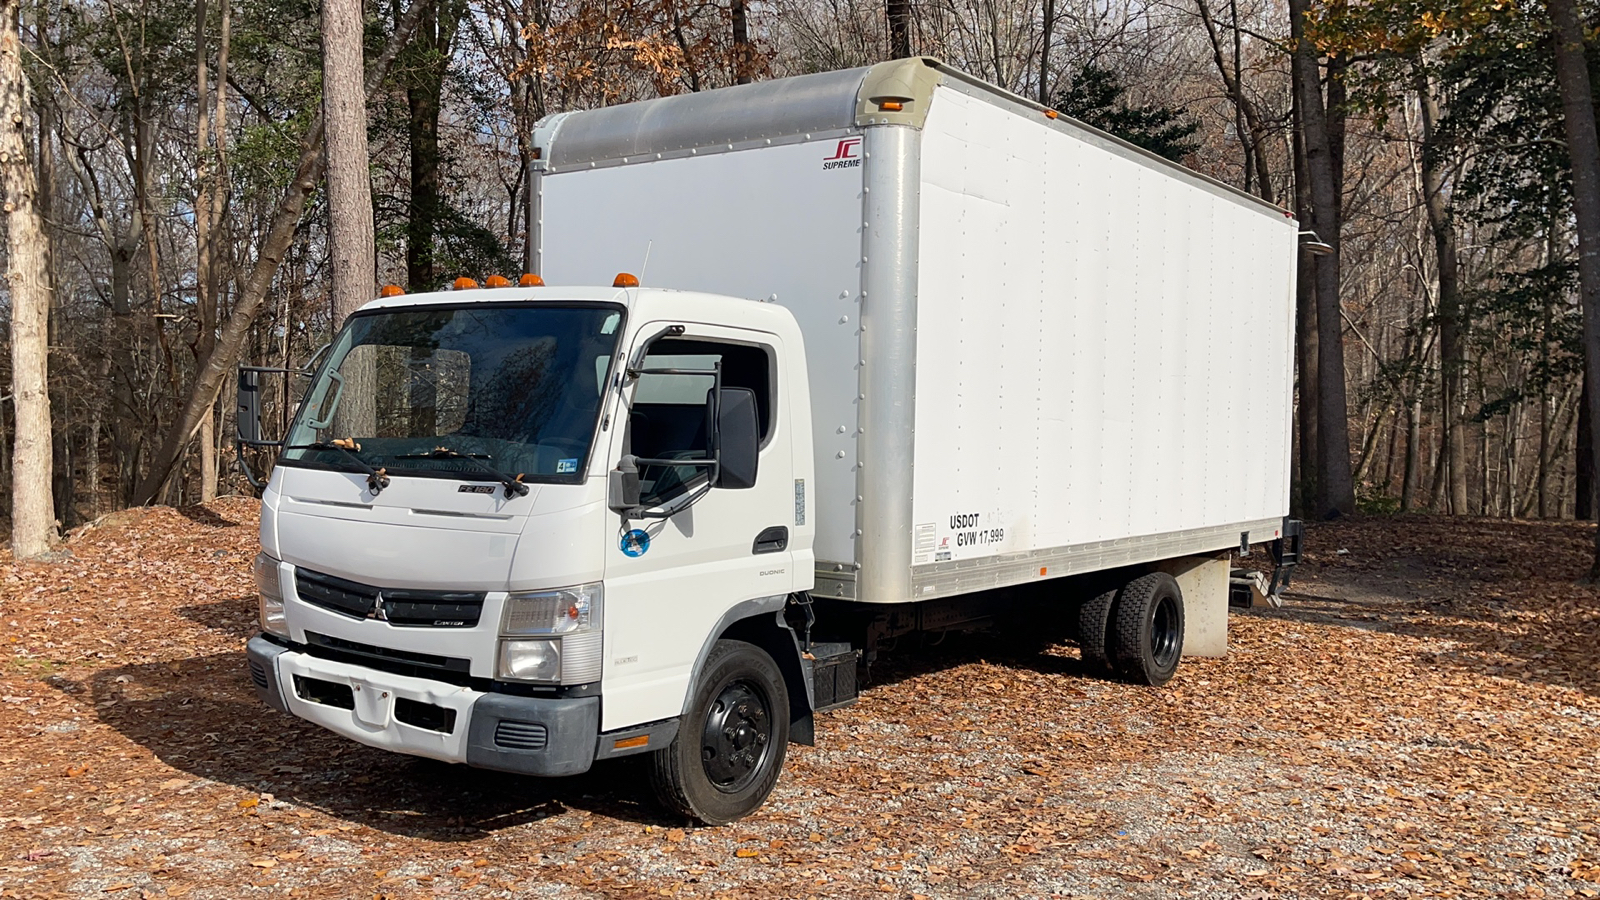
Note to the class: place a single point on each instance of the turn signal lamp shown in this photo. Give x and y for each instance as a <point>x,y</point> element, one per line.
<point>464,284</point>
<point>530,280</point>
<point>624,280</point>
<point>496,281</point>
<point>391,290</point>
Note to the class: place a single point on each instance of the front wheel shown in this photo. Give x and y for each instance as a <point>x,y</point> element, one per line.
<point>732,741</point>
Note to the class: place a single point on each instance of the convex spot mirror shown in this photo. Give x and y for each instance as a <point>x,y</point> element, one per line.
<point>736,439</point>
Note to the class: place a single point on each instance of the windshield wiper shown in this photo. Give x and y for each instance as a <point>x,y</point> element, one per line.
<point>377,479</point>
<point>514,486</point>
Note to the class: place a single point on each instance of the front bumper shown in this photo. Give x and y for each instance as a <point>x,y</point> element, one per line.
<point>528,735</point>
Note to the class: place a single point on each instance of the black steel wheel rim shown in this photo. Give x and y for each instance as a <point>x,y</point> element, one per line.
<point>737,737</point>
<point>1166,632</point>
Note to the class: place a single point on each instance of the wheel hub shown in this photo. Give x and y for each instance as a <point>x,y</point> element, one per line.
<point>1165,632</point>
<point>737,736</point>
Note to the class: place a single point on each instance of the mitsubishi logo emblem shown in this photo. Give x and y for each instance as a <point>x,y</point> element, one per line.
<point>377,611</point>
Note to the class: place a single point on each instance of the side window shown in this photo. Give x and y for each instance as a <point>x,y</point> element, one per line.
<point>668,419</point>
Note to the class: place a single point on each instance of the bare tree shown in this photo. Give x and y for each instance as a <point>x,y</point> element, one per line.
<point>344,110</point>
<point>899,13</point>
<point>1583,148</point>
<point>274,246</point>
<point>210,203</point>
<point>1335,487</point>
<point>33,527</point>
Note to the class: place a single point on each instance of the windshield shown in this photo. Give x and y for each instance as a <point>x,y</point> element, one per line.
<point>514,387</point>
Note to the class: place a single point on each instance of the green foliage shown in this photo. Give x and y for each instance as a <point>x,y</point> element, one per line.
<point>1513,311</point>
<point>1097,97</point>
<point>1373,501</point>
<point>464,246</point>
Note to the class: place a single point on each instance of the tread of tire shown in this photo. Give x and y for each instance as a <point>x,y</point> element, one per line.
<point>667,776</point>
<point>1094,621</point>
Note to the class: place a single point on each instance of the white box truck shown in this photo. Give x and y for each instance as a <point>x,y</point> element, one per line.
<point>906,345</point>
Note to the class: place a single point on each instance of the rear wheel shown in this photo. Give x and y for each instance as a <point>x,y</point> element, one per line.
<point>731,744</point>
<point>1147,641</point>
<point>1094,618</point>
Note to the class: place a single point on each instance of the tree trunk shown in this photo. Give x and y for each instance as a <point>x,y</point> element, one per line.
<point>278,238</point>
<point>424,99</point>
<point>1578,120</point>
<point>1584,464</point>
<point>1413,464</point>
<point>1305,480</point>
<point>743,53</point>
<point>899,13</point>
<point>1044,51</point>
<point>352,246</point>
<point>1452,326</point>
<point>1250,118</point>
<point>1335,488</point>
<point>209,204</point>
<point>33,528</point>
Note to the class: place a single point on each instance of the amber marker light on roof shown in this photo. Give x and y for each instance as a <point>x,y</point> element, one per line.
<point>1051,114</point>
<point>624,280</point>
<point>391,290</point>
<point>464,284</point>
<point>891,105</point>
<point>530,280</point>
<point>497,281</point>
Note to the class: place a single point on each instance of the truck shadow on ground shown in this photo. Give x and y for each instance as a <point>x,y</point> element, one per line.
<point>235,616</point>
<point>1037,646</point>
<point>201,716</point>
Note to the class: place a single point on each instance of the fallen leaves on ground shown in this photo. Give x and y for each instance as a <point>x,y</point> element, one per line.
<point>1418,721</point>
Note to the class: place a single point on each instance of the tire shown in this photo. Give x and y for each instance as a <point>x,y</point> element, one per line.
<point>1147,641</point>
<point>732,741</point>
<point>1094,618</point>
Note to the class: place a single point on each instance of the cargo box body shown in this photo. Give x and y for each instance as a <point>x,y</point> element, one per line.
<point>1034,350</point>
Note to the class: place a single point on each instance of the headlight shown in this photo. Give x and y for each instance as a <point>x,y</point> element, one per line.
<point>270,591</point>
<point>571,618</point>
<point>537,660</point>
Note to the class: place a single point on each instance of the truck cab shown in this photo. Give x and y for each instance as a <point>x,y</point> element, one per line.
<point>528,528</point>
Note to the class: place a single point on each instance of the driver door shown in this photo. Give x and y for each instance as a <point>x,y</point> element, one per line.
<point>670,580</point>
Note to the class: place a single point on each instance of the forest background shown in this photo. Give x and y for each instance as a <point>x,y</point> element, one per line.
<point>180,198</point>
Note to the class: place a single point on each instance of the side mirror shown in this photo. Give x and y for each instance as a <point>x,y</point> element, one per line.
<point>249,412</point>
<point>622,488</point>
<point>736,439</point>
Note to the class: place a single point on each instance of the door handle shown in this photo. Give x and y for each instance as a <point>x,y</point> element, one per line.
<point>772,540</point>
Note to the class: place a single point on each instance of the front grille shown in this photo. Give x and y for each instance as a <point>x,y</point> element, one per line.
<point>520,735</point>
<point>435,609</point>
<point>438,609</point>
<point>337,594</point>
<point>425,715</point>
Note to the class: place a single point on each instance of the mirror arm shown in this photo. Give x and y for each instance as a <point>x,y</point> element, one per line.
<point>644,348</point>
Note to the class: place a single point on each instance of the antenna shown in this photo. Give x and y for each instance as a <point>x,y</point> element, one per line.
<point>646,265</point>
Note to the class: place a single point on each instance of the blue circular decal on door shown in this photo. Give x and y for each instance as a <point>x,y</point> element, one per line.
<point>635,542</point>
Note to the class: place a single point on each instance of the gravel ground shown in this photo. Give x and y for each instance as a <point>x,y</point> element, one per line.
<point>1418,721</point>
